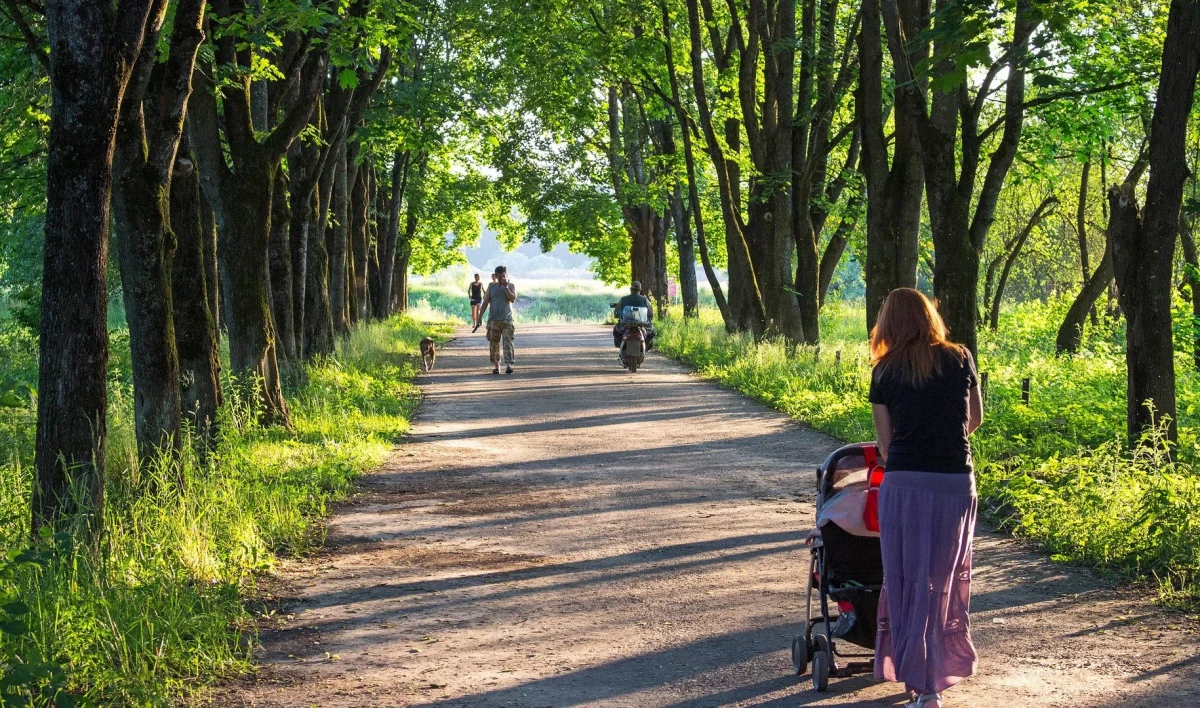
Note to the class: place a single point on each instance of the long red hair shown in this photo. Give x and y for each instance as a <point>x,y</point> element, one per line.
<point>907,335</point>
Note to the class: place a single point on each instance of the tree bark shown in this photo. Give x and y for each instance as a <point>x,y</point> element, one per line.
<point>661,286</point>
<point>684,242</point>
<point>242,196</point>
<point>337,238</point>
<point>318,316</point>
<point>951,155</point>
<point>685,126</point>
<point>1039,214</point>
<point>1070,332</point>
<point>360,238</point>
<point>1192,277</point>
<point>837,244</point>
<point>195,324</point>
<point>92,50</point>
<point>1143,245</point>
<point>401,162</point>
<point>148,134</point>
<point>893,212</point>
<point>208,244</point>
<point>279,256</point>
<point>746,310</point>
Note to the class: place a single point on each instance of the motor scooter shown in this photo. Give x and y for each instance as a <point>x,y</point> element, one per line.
<point>632,352</point>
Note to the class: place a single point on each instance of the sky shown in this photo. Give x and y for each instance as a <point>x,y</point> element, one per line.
<point>528,262</point>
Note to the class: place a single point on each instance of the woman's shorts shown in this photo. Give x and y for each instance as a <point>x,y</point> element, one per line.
<point>476,302</point>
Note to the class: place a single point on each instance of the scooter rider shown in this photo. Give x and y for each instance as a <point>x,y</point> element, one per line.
<point>635,298</point>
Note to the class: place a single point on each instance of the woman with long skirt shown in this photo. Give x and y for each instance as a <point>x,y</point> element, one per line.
<point>925,401</point>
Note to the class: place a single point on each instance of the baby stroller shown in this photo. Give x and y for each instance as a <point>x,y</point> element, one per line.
<point>846,568</point>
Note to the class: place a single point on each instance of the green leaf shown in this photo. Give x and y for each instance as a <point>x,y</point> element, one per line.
<point>347,79</point>
<point>15,608</point>
<point>948,81</point>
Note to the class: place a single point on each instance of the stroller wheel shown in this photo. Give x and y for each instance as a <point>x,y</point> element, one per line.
<point>822,662</point>
<point>799,654</point>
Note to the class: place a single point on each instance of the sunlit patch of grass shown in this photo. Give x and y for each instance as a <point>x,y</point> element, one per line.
<point>1054,470</point>
<point>159,611</point>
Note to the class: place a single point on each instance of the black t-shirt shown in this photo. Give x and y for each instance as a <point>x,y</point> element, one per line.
<point>475,291</point>
<point>929,424</point>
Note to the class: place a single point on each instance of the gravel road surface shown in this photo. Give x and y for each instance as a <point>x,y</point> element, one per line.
<point>574,535</point>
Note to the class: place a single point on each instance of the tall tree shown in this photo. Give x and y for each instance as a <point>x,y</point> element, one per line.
<point>93,49</point>
<point>894,186</point>
<point>951,149</point>
<point>241,191</point>
<point>1143,244</point>
<point>151,122</point>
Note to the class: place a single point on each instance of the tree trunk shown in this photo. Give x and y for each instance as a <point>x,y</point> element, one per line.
<point>401,162</point>
<point>92,48</point>
<point>360,238</point>
<point>145,247</point>
<point>1192,277</point>
<point>195,326</point>
<point>208,244</point>
<point>400,281</point>
<point>746,309</point>
<point>951,155</point>
<point>148,135</point>
<point>336,239</point>
<point>661,286</point>
<point>1040,213</point>
<point>1070,332</point>
<point>837,245</point>
<point>283,296</point>
<point>688,290</point>
<point>1143,249</point>
<point>318,315</point>
<point>243,255</point>
<point>893,192</point>
<point>690,164</point>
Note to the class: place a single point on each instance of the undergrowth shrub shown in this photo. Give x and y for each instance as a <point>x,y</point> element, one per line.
<point>159,610</point>
<point>1055,470</point>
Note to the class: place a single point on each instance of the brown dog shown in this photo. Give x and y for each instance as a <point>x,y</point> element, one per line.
<point>428,353</point>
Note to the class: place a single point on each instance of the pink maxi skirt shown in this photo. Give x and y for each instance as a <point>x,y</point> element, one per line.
<point>926,527</point>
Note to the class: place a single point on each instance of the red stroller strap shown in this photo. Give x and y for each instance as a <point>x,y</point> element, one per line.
<point>874,480</point>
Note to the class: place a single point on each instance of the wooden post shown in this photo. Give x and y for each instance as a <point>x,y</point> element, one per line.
<point>1025,390</point>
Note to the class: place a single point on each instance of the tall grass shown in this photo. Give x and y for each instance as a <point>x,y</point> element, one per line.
<point>1055,471</point>
<point>546,302</point>
<point>159,611</point>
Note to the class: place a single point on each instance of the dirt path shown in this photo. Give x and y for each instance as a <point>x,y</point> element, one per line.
<point>575,535</point>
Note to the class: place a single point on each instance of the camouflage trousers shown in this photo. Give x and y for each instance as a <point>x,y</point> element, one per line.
<point>500,334</point>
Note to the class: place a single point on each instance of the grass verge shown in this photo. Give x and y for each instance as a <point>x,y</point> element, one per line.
<point>1055,470</point>
<point>159,612</point>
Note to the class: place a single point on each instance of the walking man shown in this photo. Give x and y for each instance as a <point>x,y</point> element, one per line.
<point>498,302</point>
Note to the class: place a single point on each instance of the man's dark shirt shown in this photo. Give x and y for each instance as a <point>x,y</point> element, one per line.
<point>635,300</point>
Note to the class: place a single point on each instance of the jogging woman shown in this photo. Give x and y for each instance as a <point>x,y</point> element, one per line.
<point>925,400</point>
<point>475,294</point>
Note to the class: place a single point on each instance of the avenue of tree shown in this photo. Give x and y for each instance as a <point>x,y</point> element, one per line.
<point>272,171</point>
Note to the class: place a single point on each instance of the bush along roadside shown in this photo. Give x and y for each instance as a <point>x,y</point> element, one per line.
<point>159,610</point>
<point>1054,470</point>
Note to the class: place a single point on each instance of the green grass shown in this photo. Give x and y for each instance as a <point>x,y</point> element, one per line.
<point>161,611</point>
<point>550,302</point>
<point>1055,471</point>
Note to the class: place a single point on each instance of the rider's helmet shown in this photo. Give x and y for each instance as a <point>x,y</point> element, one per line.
<point>635,286</point>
